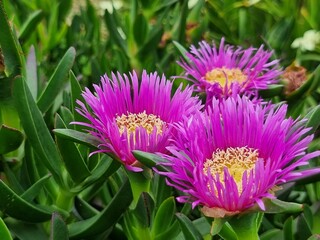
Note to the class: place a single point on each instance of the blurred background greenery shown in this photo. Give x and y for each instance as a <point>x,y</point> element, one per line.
<point>62,46</point>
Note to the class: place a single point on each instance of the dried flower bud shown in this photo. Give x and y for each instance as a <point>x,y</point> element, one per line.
<point>294,76</point>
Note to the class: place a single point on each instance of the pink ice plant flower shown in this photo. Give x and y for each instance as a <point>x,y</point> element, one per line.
<point>236,154</point>
<point>127,113</point>
<point>229,70</point>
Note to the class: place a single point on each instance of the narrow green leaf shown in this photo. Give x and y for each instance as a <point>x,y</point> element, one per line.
<point>187,227</point>
<point>56,81</point>
<point>114,33</point>
<point>144,209</point>
<point>271,91</point>
<point>26,231</point>
<point>164,217</point>
<point>76,95</point>
<point>140,29</point>
<point>104,169</point>
<point>150,160</point>
<point>79,137</point>
<point>36,129</point>
<point>71,156</point>
<point>59,230</point>
<point>10,47</point>
<point>182,50</point>
<point>31,71</point>
<point>4,231</point>
<point>288,233</point>
<point>277,206</point>
<point>313,119</point>
<point>34,190</point>
<point>105,219</point>
<point>30,25</point>
<point>272,234</point>
<point>10,139</point>
<point>16,207</point>
<point>84,209</point>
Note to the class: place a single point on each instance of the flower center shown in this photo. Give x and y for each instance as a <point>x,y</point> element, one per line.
<point>225,76</point>
<point>131,121</point>
<point>236,160</point>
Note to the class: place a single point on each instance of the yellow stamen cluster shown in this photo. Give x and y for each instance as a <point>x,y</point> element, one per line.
<point>236,160</point>
<point>224,75</point>
<point>131,121</point>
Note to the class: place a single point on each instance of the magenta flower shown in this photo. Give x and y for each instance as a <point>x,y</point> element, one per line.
<point>128,114</point>
<point>225,71</point>
<point>235,154</point>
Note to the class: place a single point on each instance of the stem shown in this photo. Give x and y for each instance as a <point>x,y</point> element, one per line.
<point>245,226</point>
<point>65,200</point>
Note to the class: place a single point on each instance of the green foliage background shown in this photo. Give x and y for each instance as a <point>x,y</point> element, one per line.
<point>52,49</point>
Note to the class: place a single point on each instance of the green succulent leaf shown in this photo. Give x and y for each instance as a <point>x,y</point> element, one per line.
<point>36,129</point>
<point>164,217</point>
<point>149,159</point>
<point>105,219</point>
<point>59,230</point>
<point>30,25</point>
<point>71,156</point>
<point>4,231</point>
<point>79,137</point>
<point>14,206</point>
<point>10,139</point>
<point>56,81</point>
<point>187,227</point>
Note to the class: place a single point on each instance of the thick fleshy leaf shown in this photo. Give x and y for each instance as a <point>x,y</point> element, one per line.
<point>313,119</point>
<point>187,227</point>
<point>144,209</point>
<point>149,159</point>
<point>16,207</point>
<point>278,206</point>
<point>288,232</point>
<point>105,219</point>
<point>164,217</point>
<point>13,56</point>
<point>32,192</point>
<point>182,50</point>
<point>271,91</point>
<point>71,156</point>
<point>140,29</point>
<point>31,73</point>
<point>56,81</point>
<point>4,231</point>
<point>78,137</point>
<point>36,129</point>
<point>10,139</point>
<point>104,169</point>
<point>30,25</point>
<point>59,230</point>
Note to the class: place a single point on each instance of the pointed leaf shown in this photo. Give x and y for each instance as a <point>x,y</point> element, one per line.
<point>10,139</point>
<point>4,231</point>
<point>150,160</point>
<point>36,129</point>
<point>79,137</point>
<point>34,190</point>
<point>30,25</point>
<point>56,81</point>
<point>31,71</point>
<point>16,207</point>
<point>105,219</point>
<point>182,50</point>
<point>187,227</point>
<point>59,230</point>
<point>71,156</point>
<point>164,216</point>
